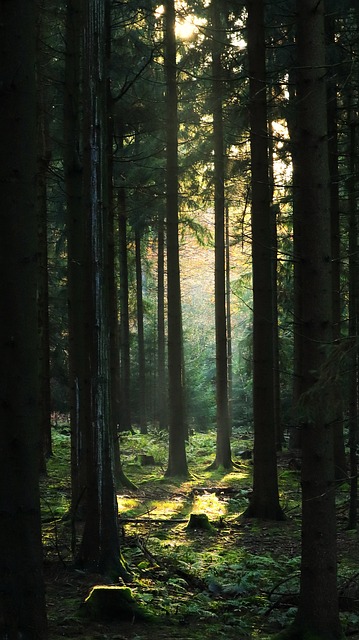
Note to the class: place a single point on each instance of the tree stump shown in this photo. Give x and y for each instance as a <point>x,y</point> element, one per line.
<point>113,603</point>
<point>200,521</point>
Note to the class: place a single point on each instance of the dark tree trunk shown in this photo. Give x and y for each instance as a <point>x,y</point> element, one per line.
<point>125,363</point>
<point>142,396</point>
<point>229,323</point>
<point>100,548</point>
<point>161,341</point>
<point>22,594</point>
<point>332,114</point>
<point>295,435</point>
<point>76,276</point>
<point>223,446</point>
<point>265,498</point>
<point>274,244</point>
<point>353,391</point>
<point>177,462</point>
<point>318,612</point>
<point>43,160</point>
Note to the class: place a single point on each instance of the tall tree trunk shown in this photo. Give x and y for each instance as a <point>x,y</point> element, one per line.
<point>353,392</point>
<point>332,114</point>
<point>125,363</point>
<point>100,548</point>
<point>142,396</point>
<point>274,244</point>
<point>43,160</point>
<point>265,498</point>
<point>22,594</point>
<point>295,435</point>
<point>177,461</point>
<point>161,340</point>
<point>120,478</point>
<point>318,611</point>
<point>223,446</point>
<point>229,323</point>
<point>76,276</point>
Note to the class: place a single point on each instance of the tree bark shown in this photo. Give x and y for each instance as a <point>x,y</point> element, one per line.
<point>318,611</point>
<point>223,447</point>
<point>162,409</point>
<point>265,498</point>
<point>76,275</point>
<point>333,151</point>
<point>22,594</point>
<point>43,160</point>
<point>142,396</point>
<point>177,462</point>
<point>100,548</point>
<point>125,362</point>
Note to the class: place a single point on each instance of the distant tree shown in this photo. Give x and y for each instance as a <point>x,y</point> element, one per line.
<point>177,462</point>
<point>142,396</point>
<point>162,395</point>
<point>264,502</point>
<point>318,612</point>
<point>223,446</point>
<point>125,362</point>
<point>22,594</point>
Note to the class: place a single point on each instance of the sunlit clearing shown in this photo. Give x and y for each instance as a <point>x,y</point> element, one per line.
<point>127,504</point>
<point>209,504</point>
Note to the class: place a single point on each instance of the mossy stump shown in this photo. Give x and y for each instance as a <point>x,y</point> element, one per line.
<point>199,521</point>
<point>113,603</point>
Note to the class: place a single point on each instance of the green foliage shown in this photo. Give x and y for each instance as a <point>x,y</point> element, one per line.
<point>242,581</point>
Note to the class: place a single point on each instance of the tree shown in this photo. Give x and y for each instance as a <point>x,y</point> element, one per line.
<point>333,155</point>
<point>142,396</point>
<point>100,548</point>
<point>76,274</point>
<point>162,405</point>
<point>23,612</point>
<point>125,364</point>
<point>223,447</point>
<point>44,157</point>
<point>318,612</point>
<point>265,498</point>
<point>177,463</point>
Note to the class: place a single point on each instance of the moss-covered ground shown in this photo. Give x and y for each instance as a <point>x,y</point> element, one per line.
<point>239,579</point>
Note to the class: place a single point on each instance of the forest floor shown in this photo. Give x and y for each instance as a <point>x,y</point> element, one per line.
<point>238,580</point>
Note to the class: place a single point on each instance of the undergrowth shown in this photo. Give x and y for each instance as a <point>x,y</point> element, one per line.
<point>239,580</point>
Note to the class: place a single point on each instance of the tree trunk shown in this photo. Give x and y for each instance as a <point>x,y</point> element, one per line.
<point>332,114</point>
<point>76,276</point>
<point>295,435</point>
<point>22,594</point>
<point>274,244</point>
<point>161,343</point>
<point>177,462</point>
<point>229,323</point>
<point>125,364</point>
<point>100,549</point>
<point>353,316</point>
<point>223,446</point>
<point>265,498</point>
<point>140,337</point>
<point>318,612</point>
<point>43,160</point>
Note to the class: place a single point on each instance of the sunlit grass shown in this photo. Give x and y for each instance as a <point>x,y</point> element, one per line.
<point>209,504</point>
